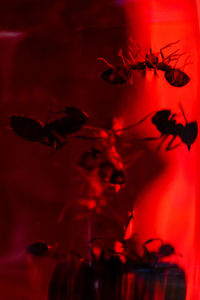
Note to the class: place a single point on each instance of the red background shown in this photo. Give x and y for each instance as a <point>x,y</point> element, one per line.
<point>49,50</point>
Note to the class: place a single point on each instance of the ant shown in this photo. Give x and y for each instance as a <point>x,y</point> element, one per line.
<point>42,249</point>
<point>152,257</point>
<point>166,124</point>
<point>148,258</point>
<point>122,74</point>
<point>50,133</point>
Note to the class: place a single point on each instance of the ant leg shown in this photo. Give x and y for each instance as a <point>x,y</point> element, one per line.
<point>50,112</point>
<point>131,78</point>
<point>173,55</point>
<point>136,254</point>
<point>54,141</point>
<point>162,55</point>
<point>170,147</point>
<point>120,54</point>
<point>84,137</point>
<point>150,138</point>
<point>155,72</point>
<point>45,143</point>
<point>146,251</point>
<point>160,144</point>
<point>132,159</point>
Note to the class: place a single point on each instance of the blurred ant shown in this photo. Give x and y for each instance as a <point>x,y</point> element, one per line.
<point>39,249</point>
<point>42,249</point>
<point>50,133</point>
<point>123,74</point>
<point>152,257</point>
<point>149,258</point>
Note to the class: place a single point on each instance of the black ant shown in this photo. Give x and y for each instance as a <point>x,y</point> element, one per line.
<point>72,122</point>
<point>149,258</point>
<point>122,74</point>
<point>49,134</point>
<point>166,124</point>
<point>152,257</point>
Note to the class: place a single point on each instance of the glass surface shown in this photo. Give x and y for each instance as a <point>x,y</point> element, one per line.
<point>111,181</point>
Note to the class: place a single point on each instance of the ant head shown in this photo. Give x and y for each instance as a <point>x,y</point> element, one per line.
<point>189,134</point>
<point>161,115</point>
<point>166,250</point>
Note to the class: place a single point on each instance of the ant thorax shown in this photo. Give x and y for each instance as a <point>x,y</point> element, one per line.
<point>151,60</point>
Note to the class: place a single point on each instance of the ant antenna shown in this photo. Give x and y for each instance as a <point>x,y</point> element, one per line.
<point>183,113</point>
<point>186,63</point>
<point>135,124</point>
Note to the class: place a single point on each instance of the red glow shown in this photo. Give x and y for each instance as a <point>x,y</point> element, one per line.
<point>49,51</point>
<point>167,206</point>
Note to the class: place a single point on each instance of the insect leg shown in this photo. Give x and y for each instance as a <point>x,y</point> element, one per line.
<point>83,137</point>
<point>135,124</point>
<point>150,138</point>
<point>170,44</point>
<point>54,141</point>
<point>170,147</point>
<point>132,159</point>
<point>160,144</point>
<point>183,113</point>
<point>124,60</point>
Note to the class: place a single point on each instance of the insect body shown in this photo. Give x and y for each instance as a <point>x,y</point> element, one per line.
<point>166,124</point>
<point>153,61</point>
<point>39,249</point>
<point>49,134</point>
<point>72,122</point>
<point>27,128</point>
<point>117,75</point>
<point>176,77</point>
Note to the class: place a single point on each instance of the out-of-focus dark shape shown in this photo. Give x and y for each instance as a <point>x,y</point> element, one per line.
<point>90,159</point>
<point>105,275</point>
<point>73,121</point>
<point>116,75</point>
<point>153,61</point>
<point>167,125</point>
<point>39,249</point>
<point>109,173</point>
<point>165,122</point>
<point>152,270</point>
<point>35,131</point>
<point>27,128</point>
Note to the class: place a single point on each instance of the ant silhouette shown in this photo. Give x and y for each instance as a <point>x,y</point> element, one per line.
<point>167,125</point>
<point>122,74</point>
<point>50,133</point>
